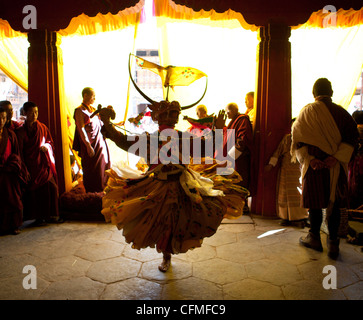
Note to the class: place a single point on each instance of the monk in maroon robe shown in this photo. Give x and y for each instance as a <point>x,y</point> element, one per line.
<point>37,150</point>
<point>204,122</point>
<point>241,151</point>
<point>10,123</point>
<point>91,145</point>
<point>12,178</point>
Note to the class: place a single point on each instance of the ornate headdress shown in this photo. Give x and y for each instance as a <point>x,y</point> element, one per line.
<point>165,112</point>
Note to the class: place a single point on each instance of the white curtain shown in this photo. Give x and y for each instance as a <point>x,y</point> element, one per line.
<point>99,61</point>
<point>222,49</point>
<point>335,53</point>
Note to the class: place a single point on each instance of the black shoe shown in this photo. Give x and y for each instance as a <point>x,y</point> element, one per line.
<point>312,241</point>
<point>333,248</point>
<point>16,231</point>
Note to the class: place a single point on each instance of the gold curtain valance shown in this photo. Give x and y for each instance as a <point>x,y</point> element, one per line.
<point>344,18</point>
<point>168,8</point>
<point>85,25</point>
<point>6,31</point>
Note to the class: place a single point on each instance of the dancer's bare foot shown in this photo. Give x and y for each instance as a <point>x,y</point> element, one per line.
<point>164,266</point>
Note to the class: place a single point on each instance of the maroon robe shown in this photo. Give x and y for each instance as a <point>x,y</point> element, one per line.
<point>13,125</point>
<point>12,178</point>
<point>94,177</point>
<point>355,174</point>
<point>244,143</point>
<point>41,196</point>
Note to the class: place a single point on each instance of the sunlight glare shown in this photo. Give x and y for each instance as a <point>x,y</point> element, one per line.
<point>268,233</point>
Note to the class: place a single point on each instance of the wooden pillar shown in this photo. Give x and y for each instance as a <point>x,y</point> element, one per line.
<point>273,110</point>
<point>44,83</point>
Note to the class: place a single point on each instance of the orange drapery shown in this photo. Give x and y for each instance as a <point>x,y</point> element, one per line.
<point>168,8</point>
<point>90,25</point>
<point>13,58</point>
<point>344,18</point>
<point>85,25</point>
<point>14,62</point>
<point>94,54</point>
<point>222,45</point>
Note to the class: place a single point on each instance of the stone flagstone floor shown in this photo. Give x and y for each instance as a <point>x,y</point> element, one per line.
<point>242,261</point>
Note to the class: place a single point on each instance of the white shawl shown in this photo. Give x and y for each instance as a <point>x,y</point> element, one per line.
<point>316,126</point>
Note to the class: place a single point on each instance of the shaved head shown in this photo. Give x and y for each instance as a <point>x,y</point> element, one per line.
<point>232,110</point>
<point>201,111</point>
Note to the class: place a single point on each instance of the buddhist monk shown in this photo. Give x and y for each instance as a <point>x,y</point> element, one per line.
<point>10,123</point>
<point>240,127</point>
<point>37,150</point>
<point>241,152</point>
<point>11,179</point>
<point>90,144</point>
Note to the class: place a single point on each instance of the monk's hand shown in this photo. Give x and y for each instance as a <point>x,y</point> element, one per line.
<point>106,114</point>
<point>220,120</point>
<point>317,164</point>
<point>268,167</point>
<point>43,149</point>
<point>330,162</point>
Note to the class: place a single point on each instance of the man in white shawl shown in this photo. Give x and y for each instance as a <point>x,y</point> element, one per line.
<point>323,139</point>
